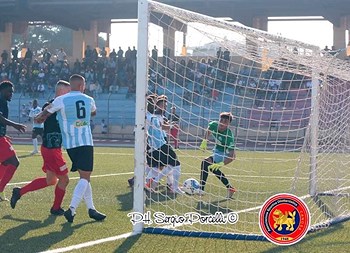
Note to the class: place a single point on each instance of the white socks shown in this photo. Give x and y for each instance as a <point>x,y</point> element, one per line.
<point>35,144</point>
<point>170,178</point>
<point>147,170</point>
<point>78,194</point>
<point>88,197</point>
<point>165,171</point>
<point>153,173</point>
<point>176,173</point>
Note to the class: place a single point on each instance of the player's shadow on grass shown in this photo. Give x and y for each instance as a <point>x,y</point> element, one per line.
<point>211,208</point>
<point>25,156</point>
<point>128,243</point>
<point>12,240</point>
<point>126,200</point>
<point>159,196</point>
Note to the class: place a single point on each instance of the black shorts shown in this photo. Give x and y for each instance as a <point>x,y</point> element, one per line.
<point>37,131</point>
<point>164,156</point>
<point>82,158</point>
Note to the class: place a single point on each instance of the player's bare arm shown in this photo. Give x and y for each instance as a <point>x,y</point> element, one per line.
<point>231,157</point>
<point>17,126</point>
<point>41,117</point>
<point>207,134</point>
<point>93,113</point>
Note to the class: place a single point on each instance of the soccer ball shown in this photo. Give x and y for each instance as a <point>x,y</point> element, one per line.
<point>191,186</point>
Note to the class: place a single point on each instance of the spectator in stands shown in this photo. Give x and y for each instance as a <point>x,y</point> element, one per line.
<point>41,89</point>
<point>24,114</point>
<point>154,56</point>
<point>120,53</point>
<point>94,55</point>
<point>113,55</point>
<point>28,57</point>
<point>61,57</point>
<point>219,54</point>
<point>226,56</point>
<point>15,54</point>
<point>104,127</point>
<point>76,67</point>
<point>128,56</point>
<point>133,58</point>
<point>103,53</point>
<point>46,55</point>
<point>88,55</point>
<point>4,57</point>
<point>333,51</point>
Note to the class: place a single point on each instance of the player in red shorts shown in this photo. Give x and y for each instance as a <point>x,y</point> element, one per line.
<point>8,158</point>
<point>54,165</point>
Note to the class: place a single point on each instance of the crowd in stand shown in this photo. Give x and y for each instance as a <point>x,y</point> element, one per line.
<point>35,77</point>
<point>206,79</point>
<point>203,79</point>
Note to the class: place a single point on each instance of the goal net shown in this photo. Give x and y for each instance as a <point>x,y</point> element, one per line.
<point>290,106</point>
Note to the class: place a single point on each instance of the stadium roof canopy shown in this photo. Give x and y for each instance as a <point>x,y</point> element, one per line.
<point>77,14</point>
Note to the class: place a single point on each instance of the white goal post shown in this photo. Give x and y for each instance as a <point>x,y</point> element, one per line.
<point>290,103</point>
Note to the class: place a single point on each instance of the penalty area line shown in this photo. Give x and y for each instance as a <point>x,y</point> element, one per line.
<point>90,243</point>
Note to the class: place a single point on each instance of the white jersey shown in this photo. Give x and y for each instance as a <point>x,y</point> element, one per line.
<point>155,136</point>
<point>161,120</point>
<point>32,113</point>
<point>74,114</point>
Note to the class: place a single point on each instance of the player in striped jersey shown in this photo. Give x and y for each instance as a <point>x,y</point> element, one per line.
<point>37,128</point>
<point>74,111</point>
<point>163,156</point>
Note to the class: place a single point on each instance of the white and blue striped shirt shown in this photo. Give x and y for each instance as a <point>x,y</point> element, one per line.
<point>32,113</point>
<point>155,133</point>
<point>73,114</point>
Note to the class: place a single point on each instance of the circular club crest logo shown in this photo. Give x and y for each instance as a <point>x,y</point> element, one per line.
<point>284,219</point>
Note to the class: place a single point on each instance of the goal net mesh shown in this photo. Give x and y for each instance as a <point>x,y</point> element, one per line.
<point>290,136</point>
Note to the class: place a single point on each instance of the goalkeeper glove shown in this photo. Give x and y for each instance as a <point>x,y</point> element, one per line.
<point>215,166</point>
<point>203,145</point>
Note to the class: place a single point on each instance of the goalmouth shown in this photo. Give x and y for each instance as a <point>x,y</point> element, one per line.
<point>291,108</point>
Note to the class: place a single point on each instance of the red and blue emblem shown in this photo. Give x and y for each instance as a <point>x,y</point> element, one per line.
<point>284,219</point>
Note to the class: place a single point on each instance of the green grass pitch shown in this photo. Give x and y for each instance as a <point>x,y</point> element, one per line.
<point>30,228</point>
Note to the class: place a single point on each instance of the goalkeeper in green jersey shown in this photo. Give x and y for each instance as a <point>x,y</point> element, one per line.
<point>223,152</point>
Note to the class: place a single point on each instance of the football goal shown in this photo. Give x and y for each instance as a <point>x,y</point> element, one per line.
<point>290,103</point>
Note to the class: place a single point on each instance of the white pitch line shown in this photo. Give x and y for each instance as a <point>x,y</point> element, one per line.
<point>250,176</point>
<point>90,243</point>
<point>131,173</point>
<point>95,153</point>
<point>75,178</point>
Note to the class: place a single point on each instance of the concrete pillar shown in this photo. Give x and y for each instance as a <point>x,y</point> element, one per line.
<point>78,45</point>
<point>339,36</point>
<point>82,38</point>
<point>91,36</point>
<point>260,23</point>
<point>169,40</point>
<point>6,38</point>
